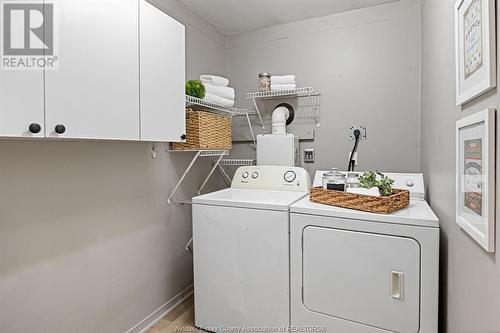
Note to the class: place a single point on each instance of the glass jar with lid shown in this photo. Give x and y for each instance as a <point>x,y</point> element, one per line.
<point>334,180</point>
<point>352,180</point>
<point>264,82</point>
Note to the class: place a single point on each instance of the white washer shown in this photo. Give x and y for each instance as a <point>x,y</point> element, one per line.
<point>241,249</point>
<point>353,271</point>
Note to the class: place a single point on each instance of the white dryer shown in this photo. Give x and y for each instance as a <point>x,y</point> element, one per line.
<point>353,271</point>
<point>241,249</point>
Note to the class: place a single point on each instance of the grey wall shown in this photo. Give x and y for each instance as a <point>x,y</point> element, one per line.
<point>470,296</point>
<point>365,62</point>
<point>87,243</point>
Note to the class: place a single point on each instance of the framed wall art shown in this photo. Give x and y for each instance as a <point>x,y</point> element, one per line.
<point>475,177</point>
<point>475,48</point>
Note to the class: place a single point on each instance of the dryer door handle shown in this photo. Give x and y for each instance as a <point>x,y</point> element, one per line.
<point>397,287</point>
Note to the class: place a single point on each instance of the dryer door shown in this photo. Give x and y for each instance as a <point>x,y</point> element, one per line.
<point>365,278</point>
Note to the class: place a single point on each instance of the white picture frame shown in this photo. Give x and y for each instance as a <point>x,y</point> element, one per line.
<point>475,176</point>
<point>475,48</point>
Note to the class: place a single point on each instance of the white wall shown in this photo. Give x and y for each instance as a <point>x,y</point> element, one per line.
<point>87,242</point>
<point>470,293</point>
<point>365,62</point>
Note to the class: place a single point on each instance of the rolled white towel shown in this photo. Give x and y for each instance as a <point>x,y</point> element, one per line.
<point>211,98</point>
<point>283,86</point>
<point>224,92</point>
<point>374,192</point>
<point>283,79</point>
<point>214,80</point>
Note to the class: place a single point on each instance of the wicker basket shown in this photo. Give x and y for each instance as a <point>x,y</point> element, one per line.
<point>205,131</point>
<point>383,205</point>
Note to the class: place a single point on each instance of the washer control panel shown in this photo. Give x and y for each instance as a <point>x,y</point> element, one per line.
<point>278,178</point>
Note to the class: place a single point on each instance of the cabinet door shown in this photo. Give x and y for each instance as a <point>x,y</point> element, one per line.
<point>21,103</point>
<point>95,92</point>
<point>162,71</point>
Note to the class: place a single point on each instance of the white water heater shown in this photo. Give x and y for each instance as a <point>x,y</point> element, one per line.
<point>278,149</point>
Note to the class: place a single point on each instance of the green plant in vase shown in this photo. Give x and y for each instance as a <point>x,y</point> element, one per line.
<point>195,88</point>
<point>369,179</point>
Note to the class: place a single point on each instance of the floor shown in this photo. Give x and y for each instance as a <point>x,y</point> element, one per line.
<point>180,319</point>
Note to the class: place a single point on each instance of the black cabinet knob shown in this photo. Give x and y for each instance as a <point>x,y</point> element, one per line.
<point>35,128</point>
<point>60,129</point>
<point>183,137</point>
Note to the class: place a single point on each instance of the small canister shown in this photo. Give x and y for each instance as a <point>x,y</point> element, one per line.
<point>352,180</point>
<point>334,180</point>
<point>264,82</point>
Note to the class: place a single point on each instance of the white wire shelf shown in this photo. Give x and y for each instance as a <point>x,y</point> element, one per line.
<point>203,153</point>
<point>250,113</point>
<point>237,162</point>
<point>309,100</point>
<point>299,92</point>
<point>216,108</point>
<point>190,101</point>
<point>219,154</point>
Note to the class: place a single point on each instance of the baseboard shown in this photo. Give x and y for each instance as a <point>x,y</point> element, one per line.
<point>159,313</point>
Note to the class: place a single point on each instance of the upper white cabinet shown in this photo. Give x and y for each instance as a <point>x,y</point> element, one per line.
<point>162,73</point>
<point>120,76</point>
<point>95,92</point>
<point>21,104</point>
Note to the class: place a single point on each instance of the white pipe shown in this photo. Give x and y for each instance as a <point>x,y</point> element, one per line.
<point>279,117</point>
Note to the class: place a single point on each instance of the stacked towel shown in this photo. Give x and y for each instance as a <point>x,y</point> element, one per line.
<point>283,82</point>
<point>217,90</point>
<point>283,79</point>
<point>211,98</point>
<point>214,80</point>
<point>283,86</point>
<point>224,92</point>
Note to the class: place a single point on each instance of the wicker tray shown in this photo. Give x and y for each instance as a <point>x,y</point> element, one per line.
<point>205,131</point>
<point>383,205</point>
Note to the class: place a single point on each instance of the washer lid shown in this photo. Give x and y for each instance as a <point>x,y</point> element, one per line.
<point>254,199</point>
<point>417,213</point>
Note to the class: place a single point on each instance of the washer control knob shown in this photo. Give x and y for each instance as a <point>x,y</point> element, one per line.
<point>255,175</point>
<point>410,183</point>
<point>245,175</point>
<point>290,176</point>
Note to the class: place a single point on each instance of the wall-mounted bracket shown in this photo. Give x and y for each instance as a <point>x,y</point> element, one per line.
<point>199,153</point>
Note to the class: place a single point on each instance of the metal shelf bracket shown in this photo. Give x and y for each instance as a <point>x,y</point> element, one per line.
<point>225,152</point>
<point>199,153</point>
<point>169,200</point>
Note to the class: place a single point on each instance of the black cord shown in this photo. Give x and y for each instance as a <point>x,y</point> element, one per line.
<point>352,162</point>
